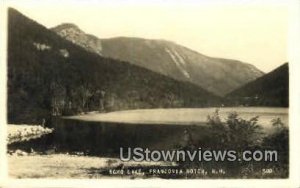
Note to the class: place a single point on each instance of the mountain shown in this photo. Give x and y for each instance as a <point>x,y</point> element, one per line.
<point>49,75</point>
<point>72,33</point>
<point>271,89</point>
<point>216,75</point>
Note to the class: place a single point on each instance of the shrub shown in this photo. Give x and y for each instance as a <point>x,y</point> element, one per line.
<point>235,132</point>
<point>279,140</point>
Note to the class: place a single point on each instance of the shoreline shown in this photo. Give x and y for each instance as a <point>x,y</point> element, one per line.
<point>24,132</point>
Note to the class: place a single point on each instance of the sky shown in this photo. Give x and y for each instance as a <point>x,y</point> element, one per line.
<point>249,31</point>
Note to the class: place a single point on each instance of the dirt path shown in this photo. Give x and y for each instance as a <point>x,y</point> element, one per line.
<point>65,166</point>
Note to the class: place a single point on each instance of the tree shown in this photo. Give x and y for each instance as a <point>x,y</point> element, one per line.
<point>100,96</point>
<point>84,94</point>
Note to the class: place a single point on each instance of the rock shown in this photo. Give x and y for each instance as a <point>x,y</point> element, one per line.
<point>20,153</point>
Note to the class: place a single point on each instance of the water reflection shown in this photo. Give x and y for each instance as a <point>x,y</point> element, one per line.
<point>105,139</point>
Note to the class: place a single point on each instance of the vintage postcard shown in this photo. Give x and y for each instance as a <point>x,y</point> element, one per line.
<point>162,91</point>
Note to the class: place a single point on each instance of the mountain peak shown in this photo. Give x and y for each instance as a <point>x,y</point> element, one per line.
<point>217,75</point>
<point>64,26</point>
<point>74,34</point>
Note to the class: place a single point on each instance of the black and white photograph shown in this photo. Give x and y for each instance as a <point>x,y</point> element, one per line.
<point>156,91</point>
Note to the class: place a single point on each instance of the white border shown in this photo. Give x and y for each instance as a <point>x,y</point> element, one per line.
<point>293,55</point>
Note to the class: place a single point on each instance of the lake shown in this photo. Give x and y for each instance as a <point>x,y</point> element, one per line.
<point>184,116</point>
<point>102,134</point>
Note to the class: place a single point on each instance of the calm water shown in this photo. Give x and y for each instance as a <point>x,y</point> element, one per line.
<point>98,134</point>
<point>105,139</point>
<point>185,116</point>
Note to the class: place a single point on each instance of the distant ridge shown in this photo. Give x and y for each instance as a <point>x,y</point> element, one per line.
<point>271,89</point>
<point>216,75</point>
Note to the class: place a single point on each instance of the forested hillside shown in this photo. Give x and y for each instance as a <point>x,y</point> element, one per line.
<point>271,89</point>
<point>48,75</point>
